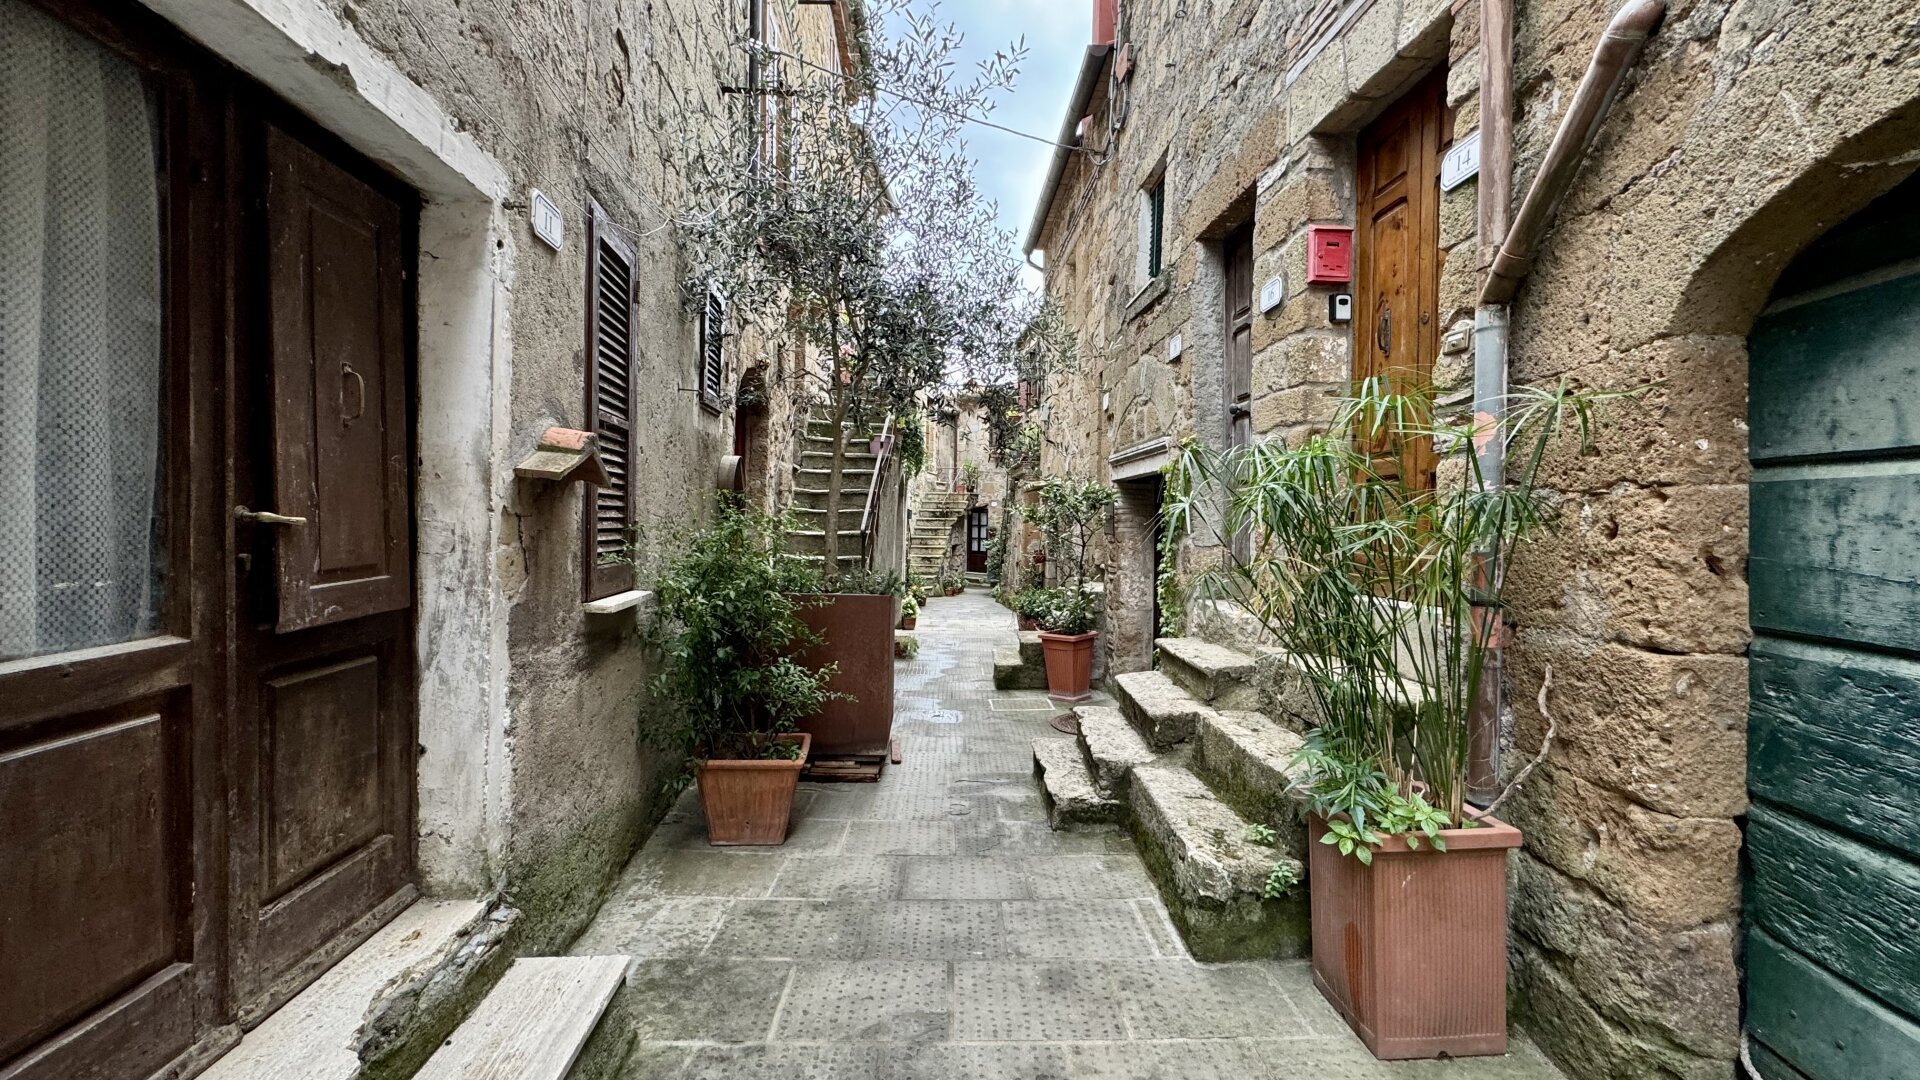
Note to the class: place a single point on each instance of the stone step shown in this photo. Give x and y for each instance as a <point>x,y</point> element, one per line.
<point>816,479</point>
<point>1073,800</point>
<point>533,1023</point>
<point>1213,879</point>
<point>1157,707</point>
<point>1032,651</point>
<point>1011,671</point>
<point>1245,757</point>
<point>814,542</point>
<point>1112,748</point>
<point>1213,674</point>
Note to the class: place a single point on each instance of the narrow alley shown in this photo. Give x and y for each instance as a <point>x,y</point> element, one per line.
<point>934,926</point>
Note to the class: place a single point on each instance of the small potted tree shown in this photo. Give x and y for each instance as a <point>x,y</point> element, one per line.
<point>1067,513</point>
<point>1385,593</point>
<point>732,683</point>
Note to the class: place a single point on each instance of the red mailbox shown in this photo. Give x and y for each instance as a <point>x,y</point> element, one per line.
<point>1329,254</point>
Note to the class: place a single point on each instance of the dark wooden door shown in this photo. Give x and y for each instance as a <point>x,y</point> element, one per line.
<point>1239,327</point>
<point>977,540</point>
<point>322,846</point>
<point>1396,332</point>
<point>1832,951</point>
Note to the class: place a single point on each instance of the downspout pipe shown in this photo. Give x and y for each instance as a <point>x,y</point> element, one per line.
<point>1620,45</point>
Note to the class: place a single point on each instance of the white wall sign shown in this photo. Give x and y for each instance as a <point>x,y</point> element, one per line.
<point>1461,163</point>
<point>1274,291</point>
<point>1173,347</point>
<point>547,223</point>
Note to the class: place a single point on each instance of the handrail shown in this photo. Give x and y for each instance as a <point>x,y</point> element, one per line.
<point>880,464</point>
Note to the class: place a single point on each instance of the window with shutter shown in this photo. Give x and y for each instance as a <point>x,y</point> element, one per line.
<point>610,399</point>
<point>713,336</point>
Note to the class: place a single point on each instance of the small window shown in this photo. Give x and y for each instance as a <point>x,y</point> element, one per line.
<point>713,337</point>
<point>610,400</point>
<point>1153,223</point>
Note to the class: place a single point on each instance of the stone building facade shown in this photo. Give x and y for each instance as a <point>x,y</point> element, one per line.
<point>1746,130</point>
<point>513,775</point>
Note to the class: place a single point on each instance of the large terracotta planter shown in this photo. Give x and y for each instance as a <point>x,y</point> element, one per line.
<point>750,802</point>
<point>1412,950</point>
<point>1069,664</point>
<point>856,632</point>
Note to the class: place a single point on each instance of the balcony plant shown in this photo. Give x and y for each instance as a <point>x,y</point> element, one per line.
<point>1067,513</point>
<point>851,616</point>
<point>733,685</point>
<point>1385,591</point>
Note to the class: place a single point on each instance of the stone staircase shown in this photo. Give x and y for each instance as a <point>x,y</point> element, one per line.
<point>1023,667</point>
<point>1190,767</point>
<point>809,535</point>
<point>934,515</point>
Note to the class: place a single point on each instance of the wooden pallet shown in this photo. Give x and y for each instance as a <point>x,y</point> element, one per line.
<point>851,768</point>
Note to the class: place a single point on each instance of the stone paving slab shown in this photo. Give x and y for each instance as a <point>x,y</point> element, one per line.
<point>934,927</point>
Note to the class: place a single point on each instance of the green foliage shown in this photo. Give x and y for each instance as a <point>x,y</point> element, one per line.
<point>729,634</point>
<point>1067,514</point>
<point>1282,878</point>
<point>910,443</point>
<point>1166,585</point>
<point>1387,593</point>
<point>970,472</point>
<point>1260,834</point>
<point>862,581</point>
<point>1067,610</point>
<point>953,581</point>
<point>909,608</point>
<point>1030,602</point>
<point>906,647</point>
<point>916,589</point>
<point>997,547</point>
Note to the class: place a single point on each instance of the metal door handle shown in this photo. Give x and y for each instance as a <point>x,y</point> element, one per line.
<point>359,397</point>
<point>1383,335</point>
<point>265,517</point>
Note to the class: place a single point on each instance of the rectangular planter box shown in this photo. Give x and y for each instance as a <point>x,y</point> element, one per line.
<point>1413,950</point>
<point>856,633</point>
<point>748,803</point>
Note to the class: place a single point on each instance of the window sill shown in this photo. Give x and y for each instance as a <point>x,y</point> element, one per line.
<point>1149,294</point>
<point>630,600</point>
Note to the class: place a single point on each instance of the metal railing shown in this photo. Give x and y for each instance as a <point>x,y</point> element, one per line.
<point>884,464</point>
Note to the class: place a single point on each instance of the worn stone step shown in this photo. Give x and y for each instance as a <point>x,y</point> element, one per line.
<point>1157,707</point>
<point>1112,747</point>
<point>1214,674</point>
<point>533,1023</point>
<point>1245,757</point>
<point>1073,800</point>
<point>1032,650</point>
<point>1213,878</point>
<point>1012,672</point>
<point>1286,695</point>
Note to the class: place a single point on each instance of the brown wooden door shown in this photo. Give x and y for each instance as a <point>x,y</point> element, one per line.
<point>1396,332</point>
<point>322,844</point>
<point>977,540</point>
<point>1239,322</point>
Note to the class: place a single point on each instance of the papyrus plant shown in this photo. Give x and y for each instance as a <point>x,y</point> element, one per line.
<point>1385,589</point>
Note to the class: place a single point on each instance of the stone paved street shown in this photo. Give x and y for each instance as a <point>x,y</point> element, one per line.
<point>933,926</point>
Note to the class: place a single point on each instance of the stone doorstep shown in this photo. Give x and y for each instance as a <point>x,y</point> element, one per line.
<point>533,1023</point>
<point>1211,673</point>
<point>1011,671</point>
<point>1032,651</point>
<point>420,974</point>
<point>1243,757</point>
<point>1112,747</point>
<point>1212,878</point>
<point>1157,707</point>
<point>1073,800</point>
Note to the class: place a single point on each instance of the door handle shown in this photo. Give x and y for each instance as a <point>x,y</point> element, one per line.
<point>264,517</point>
<point>1383,334</point>
<point>359,396</point>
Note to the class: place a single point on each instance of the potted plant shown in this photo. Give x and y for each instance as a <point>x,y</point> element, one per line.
<point>1385,591</point>
<point>906,647</point>
<point>1067,618</point>
<point>732,682</point>
<point>952,583</point>
<point>851,617</point>
<point>909,613</point>
<point>971,472</point>
<point>1029,604</point>
<point>1067,512</point>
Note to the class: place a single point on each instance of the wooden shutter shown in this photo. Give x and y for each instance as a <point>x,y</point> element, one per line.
<point>610,399</point>
<point>713,336</point>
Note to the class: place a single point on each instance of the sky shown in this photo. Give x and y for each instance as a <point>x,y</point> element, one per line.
<point>1008,168</point>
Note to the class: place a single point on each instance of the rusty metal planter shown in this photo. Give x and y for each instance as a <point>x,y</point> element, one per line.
<point>1412,950</point>
<point>856,632</point>
<point>1069,664</point>
<point>749,802</point>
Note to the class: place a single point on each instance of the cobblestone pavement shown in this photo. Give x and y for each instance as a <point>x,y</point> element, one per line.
<point>933,926</point>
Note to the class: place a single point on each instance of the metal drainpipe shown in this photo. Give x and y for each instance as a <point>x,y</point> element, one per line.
<point>1619,46</point>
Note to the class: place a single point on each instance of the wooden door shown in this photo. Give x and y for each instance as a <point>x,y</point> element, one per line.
<point>977,540</point>
<point>322,846</point>
<point>112,546</point>
<point>1239,327</point>
<point>1396,332</point>
<point>1833,844</point>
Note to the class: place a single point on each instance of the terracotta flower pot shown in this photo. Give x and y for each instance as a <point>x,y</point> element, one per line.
<point>908,624</point>
<point>1412,950</point>
<point>1069,664</point>
<point>749,802</point>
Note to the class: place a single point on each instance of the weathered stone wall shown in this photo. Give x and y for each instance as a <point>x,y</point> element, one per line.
<point>599,102</point>
<point>1747,129</point>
